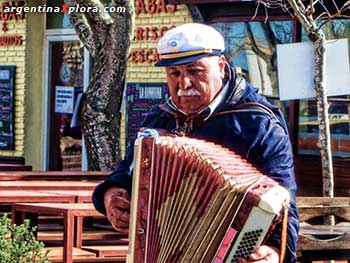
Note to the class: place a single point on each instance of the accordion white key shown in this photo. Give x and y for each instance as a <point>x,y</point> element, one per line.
<point>195,201</point>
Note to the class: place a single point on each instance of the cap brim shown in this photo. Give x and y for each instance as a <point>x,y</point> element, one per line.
<point>180,61</point>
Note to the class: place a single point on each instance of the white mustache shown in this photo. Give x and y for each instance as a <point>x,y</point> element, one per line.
<point>188,92</point>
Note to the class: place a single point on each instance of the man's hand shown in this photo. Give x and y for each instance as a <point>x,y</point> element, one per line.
<point>117,204</point>
<point>263,254</point>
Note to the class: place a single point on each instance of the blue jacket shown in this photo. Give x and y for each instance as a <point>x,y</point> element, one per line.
<point>259,135</point>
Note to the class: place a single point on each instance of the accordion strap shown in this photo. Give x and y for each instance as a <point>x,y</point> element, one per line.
<point>284,234</point>
<point>247,107</point>
<point>185,126</point>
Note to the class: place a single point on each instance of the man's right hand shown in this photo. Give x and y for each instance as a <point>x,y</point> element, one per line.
<point>117,204</point>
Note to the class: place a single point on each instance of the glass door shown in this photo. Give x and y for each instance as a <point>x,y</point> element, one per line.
<point>64,86</point>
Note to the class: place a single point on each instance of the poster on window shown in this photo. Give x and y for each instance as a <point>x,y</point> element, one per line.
<point>296,69</point>
<point>140,98</point>
<point>64,100</point>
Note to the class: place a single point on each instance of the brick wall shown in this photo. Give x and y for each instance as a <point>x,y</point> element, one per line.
<point>145,71</point>
<point>15,55</point>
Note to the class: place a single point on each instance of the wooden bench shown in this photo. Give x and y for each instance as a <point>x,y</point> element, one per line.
<point>55,255</point>
<point>108,251</point>
<point>91,234</point>
<point>323,242</point>
<point>54,175</point>
<point>42,185</point>
<point>72,215</point>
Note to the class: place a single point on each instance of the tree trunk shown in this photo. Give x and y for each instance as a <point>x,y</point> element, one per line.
<point>318,39</point>
<point>107,37</point>
<point>322,109</point>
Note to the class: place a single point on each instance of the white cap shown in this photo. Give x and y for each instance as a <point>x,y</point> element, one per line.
<point>188,43</point>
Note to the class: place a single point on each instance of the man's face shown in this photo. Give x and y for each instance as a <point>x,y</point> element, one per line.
<point>193,86</point>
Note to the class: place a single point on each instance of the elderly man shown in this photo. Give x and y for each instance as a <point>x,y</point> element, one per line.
<point>210,101</point>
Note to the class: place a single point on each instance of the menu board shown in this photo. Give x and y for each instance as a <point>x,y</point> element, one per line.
<point>140,98</point>
<point>7,84</point>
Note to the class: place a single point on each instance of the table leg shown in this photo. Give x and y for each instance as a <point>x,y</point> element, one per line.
<point>68,236</point>
<point>18,217</point>
<point>79,232</point>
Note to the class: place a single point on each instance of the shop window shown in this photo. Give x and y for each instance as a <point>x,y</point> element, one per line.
<point>251,48</point>
<point>59,20</point>
<point>66,83</point>
<point>339,109</point>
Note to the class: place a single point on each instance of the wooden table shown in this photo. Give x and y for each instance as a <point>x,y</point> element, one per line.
<point>54,175</point>
<point>47,185</point>
<point>83,196</point>
<point>14,167</point>
<point>20,196</point>
<point>70,213</point>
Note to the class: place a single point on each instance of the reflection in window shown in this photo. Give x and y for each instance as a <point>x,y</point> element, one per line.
<point>339,109</point>
<point>251,48</point>
<point>339,120</point>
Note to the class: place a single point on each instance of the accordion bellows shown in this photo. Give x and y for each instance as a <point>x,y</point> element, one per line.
<point>195,201</point>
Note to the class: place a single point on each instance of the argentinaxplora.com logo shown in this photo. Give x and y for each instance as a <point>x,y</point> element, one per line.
<point>69,9</point>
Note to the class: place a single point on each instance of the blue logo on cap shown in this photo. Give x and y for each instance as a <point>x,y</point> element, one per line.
<point>173,43</point>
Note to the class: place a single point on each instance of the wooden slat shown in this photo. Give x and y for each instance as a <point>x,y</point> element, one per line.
<point>54,175</point>
<point>323,242</point>
<point>108,251</point>
<point>317,200</point>
<point>56,253</point>
<point>80,255</point>
<point>47,185</point>
<point>308,212</point>
<point>87,235</point>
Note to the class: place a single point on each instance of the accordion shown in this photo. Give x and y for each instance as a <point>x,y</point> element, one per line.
<point>195,201</point>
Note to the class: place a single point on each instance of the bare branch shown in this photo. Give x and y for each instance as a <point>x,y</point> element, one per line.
<point>306,21</point>
<point>336,6</point>
<point>325,8</point>
<point>256,10</point>
<point>253,43</point>
<point>236,52</point>
<point>338,14</point>
<point>271,4</point>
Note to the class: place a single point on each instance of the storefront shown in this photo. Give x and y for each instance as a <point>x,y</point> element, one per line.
<point>50,68</point>
<point>251,47</point>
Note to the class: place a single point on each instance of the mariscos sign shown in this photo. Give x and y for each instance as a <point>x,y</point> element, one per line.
<point>11,40</point>
<point>149,33</point>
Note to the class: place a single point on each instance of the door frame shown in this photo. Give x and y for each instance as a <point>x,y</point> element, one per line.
<point>59,35</point>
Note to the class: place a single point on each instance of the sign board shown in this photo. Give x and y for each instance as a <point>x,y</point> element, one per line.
<point>64,99</point>
<point>296,69</point>
<point>7,85</point>
<point>140,98</point>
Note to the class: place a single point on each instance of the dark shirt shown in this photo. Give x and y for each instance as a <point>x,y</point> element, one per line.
<point>258,135</point>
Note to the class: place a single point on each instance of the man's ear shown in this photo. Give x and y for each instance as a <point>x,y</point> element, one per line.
<point>222,64</point>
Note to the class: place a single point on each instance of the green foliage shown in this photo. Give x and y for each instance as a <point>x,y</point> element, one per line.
<point>18,243</point>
